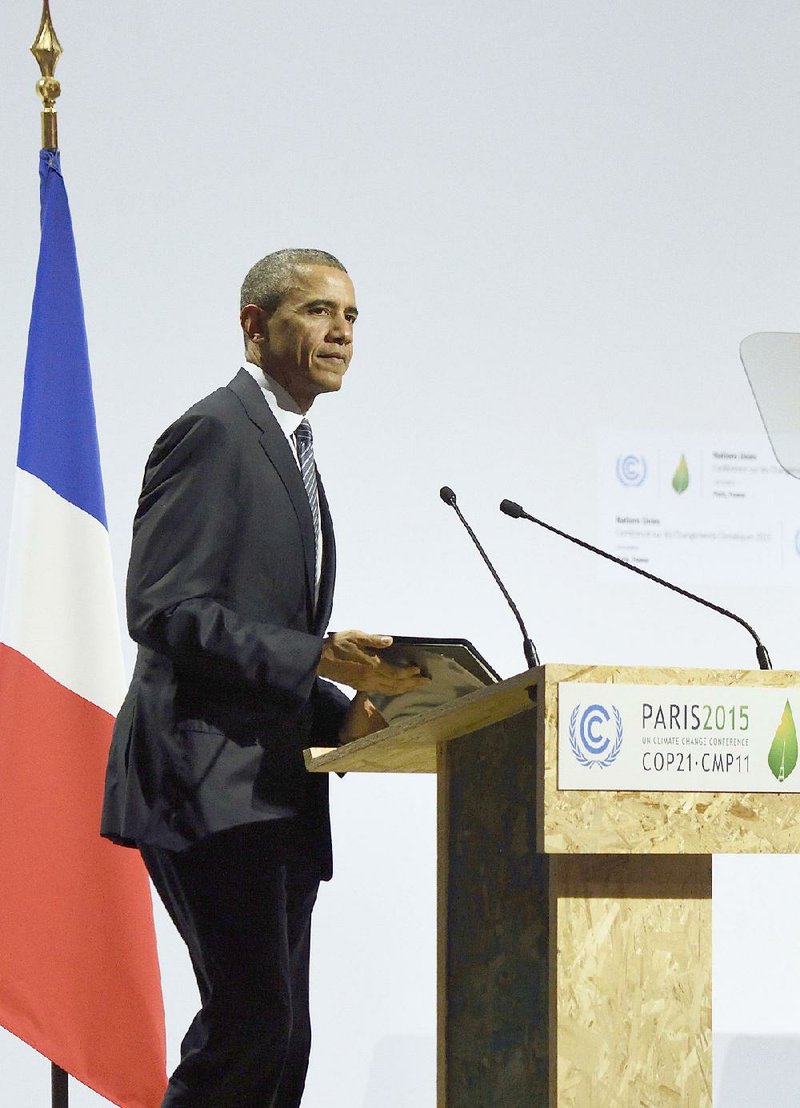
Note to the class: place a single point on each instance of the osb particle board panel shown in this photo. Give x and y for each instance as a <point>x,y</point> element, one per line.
<point>649,822</point>
<point>493,925</point>
<point>633,981</point>
<point>409,746</point>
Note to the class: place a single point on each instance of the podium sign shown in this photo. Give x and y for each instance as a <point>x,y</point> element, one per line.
<point>677,738</point>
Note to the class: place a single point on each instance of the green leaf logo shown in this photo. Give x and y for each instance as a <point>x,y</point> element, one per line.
<point>782,756</point>
<point>680,478</point>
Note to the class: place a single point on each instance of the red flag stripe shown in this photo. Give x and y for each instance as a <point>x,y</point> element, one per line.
<point>89,989</point>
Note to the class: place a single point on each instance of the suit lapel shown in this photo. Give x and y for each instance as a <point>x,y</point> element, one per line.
<point>276,447</point>
<point>328,576</point>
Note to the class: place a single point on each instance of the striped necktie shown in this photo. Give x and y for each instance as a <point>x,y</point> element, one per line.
<point>305,456</point>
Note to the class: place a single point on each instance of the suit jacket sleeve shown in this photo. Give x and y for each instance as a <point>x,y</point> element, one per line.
<point>185,539</point>
<point>330,708</point>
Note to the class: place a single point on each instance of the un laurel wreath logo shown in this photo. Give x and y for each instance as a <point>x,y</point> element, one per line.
<point>588,735</point>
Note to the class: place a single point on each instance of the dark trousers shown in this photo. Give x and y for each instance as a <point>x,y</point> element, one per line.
<point>244,911</point>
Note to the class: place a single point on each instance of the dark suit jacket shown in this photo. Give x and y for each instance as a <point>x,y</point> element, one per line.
<point>220,599</point>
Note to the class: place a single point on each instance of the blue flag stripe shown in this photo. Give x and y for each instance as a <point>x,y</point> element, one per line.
<point>58,435</point>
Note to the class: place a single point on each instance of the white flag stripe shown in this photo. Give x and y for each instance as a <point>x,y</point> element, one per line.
<point>60,606</point>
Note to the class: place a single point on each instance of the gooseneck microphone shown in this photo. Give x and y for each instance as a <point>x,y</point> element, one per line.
<point>509,508</point>
<point>531,657</point>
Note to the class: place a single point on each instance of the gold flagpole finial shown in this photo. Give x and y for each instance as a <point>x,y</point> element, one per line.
<point>47,50</point>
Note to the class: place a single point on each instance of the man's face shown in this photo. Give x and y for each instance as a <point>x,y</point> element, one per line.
<point>307,342</point>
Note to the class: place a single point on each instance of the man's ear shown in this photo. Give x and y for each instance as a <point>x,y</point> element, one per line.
<point>254,323</point>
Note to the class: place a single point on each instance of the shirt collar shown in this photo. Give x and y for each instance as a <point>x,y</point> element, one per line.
<point>281,404</point>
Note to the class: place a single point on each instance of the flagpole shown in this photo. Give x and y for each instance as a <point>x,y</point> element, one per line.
<point>47,50</point>
<point>59,1087</point>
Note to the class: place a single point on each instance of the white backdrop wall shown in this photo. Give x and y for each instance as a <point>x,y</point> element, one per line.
<point>561,217</point>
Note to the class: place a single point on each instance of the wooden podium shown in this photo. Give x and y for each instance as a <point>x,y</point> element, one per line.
<point>574,933</point>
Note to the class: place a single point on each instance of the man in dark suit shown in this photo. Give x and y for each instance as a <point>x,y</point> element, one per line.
<point>230,588</point>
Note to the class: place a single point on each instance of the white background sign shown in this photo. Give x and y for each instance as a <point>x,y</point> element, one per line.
<point>690,506</point>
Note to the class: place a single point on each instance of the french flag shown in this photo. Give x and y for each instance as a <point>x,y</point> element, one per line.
<point>79,976</point>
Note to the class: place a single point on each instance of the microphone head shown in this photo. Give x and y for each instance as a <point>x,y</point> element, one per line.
<point>509,508</point>
<point>447,495</point>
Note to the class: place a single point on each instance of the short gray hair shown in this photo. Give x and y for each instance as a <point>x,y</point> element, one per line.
<point>266,283</point>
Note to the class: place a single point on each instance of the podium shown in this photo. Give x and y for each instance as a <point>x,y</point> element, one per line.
<point>574,927</point>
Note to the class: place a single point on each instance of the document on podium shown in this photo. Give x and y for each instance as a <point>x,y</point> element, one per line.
<point>454,667</point>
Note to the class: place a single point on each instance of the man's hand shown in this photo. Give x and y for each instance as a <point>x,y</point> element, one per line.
<point>353,658</point>
<point>362,718</point>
